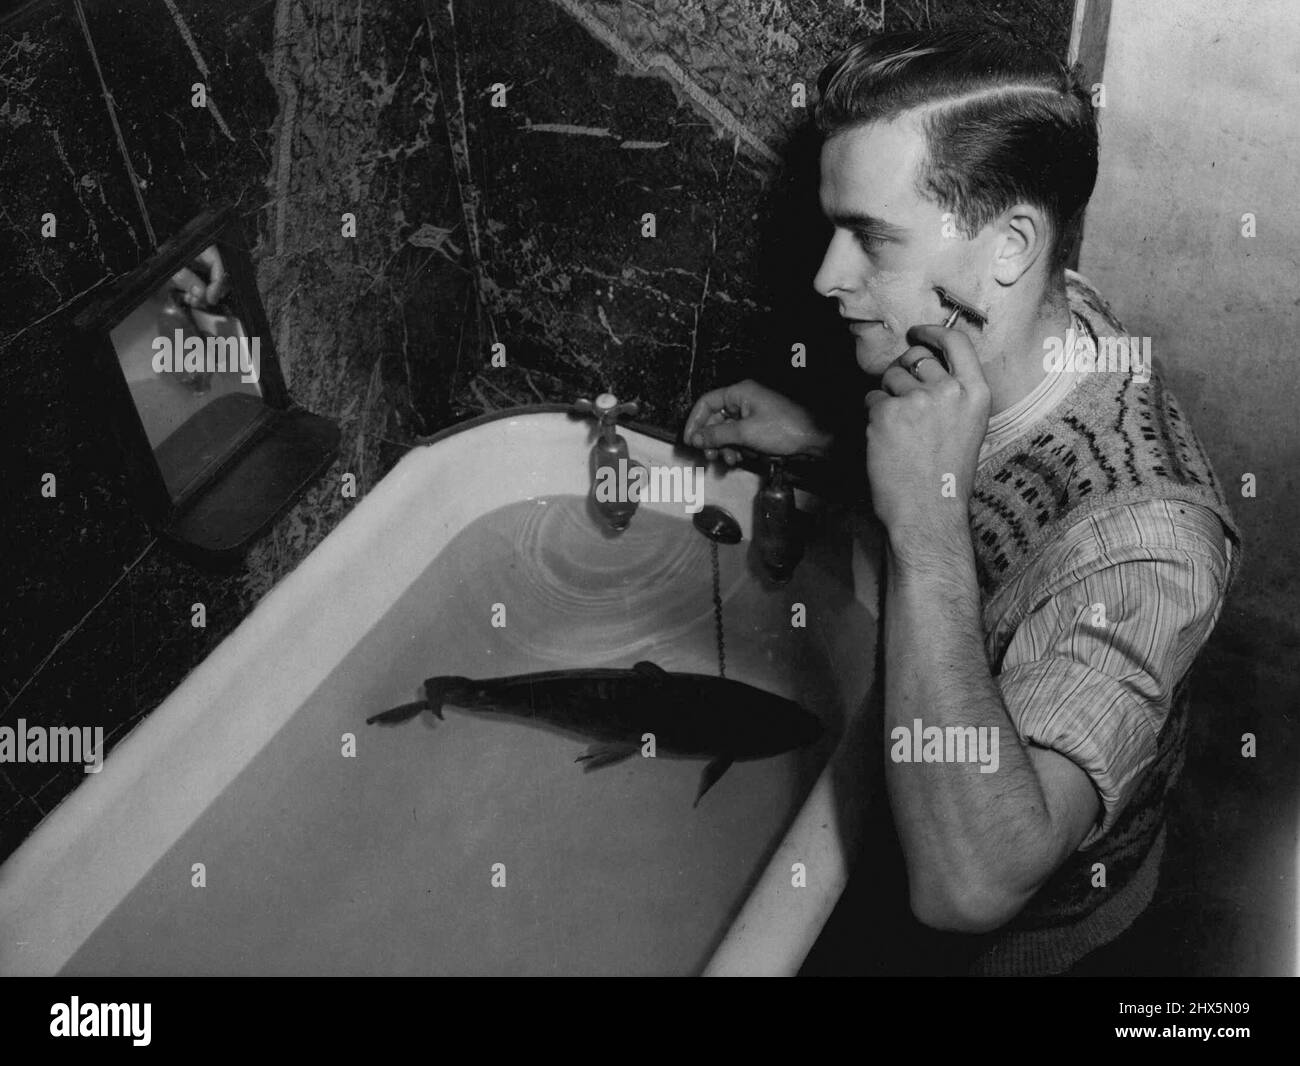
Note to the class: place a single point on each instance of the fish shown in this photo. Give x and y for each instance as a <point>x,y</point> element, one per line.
<point>690,715</point>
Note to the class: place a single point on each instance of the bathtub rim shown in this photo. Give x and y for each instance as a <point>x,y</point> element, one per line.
<point>768,936</point>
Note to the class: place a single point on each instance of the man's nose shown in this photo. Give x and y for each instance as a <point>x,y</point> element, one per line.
<point>836,274</point>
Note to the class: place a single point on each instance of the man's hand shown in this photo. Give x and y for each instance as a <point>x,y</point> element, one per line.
<point>925,427</point>
<point>198,291</point>
<point>752,416</point>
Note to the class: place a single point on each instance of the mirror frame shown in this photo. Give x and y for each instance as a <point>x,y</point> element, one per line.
<point>217,226</point>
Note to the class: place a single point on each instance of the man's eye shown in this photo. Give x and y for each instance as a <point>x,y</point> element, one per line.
<point>867,239</point>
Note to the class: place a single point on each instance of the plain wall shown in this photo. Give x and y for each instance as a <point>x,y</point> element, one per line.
<point>1200,126</point>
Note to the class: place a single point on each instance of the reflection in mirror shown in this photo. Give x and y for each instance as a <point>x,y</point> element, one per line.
<point>193,372</point>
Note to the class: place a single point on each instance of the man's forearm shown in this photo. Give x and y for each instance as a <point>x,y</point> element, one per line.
<point>975,842</point>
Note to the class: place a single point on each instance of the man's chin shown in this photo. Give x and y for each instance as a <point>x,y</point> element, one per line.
<point>875,358</point>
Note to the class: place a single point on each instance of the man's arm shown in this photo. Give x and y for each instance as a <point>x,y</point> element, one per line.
<point>1123,603</point>
<point>977,845</point>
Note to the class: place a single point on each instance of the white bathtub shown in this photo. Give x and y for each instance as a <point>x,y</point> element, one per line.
<point>382,863</point>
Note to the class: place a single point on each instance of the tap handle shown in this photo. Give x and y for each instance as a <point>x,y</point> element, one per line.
<point>608,407</point>
<point>605,407</point>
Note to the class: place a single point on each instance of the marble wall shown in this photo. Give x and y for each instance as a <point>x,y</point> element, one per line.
<point>475,225</point>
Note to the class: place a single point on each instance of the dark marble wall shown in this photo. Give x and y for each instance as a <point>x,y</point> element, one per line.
<point>96,628</point>
<point>475,225</point>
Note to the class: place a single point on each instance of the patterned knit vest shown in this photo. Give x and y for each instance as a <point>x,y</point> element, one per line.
<point>1113,440</point>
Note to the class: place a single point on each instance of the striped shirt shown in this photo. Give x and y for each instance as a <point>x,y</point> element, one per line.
<point>1103,624</point>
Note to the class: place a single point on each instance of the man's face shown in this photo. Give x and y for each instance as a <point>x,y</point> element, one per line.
<point>889,249</point>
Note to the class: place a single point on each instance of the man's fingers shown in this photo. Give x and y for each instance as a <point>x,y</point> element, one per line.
<point>698,413</point>
<point>898,381</point>
<point>729,455</point>
<point>189,282</point>
<point>728,431</point>
<point>714,402</point>
<point>963,363</point>
<point>211,258</point>
<point>197,289</point>
<point>921,363</point>
<point>927,368</point>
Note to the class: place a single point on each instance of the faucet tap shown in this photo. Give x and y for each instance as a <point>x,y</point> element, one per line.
<point>609,459</point>
<point>777,533</point>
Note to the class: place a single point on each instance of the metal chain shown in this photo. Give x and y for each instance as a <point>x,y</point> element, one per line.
<point>717,609</point>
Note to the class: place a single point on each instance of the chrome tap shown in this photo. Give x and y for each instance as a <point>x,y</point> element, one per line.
<point>610,465</point>
<point>778,533</point>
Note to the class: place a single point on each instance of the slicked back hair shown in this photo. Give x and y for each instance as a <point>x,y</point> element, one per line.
<point>1004,123</point>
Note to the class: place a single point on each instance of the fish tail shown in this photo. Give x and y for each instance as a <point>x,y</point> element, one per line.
<point>436,690</point>
<point>403,713</point>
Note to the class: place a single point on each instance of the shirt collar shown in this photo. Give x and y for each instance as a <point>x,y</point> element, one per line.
<point>1007,425</point>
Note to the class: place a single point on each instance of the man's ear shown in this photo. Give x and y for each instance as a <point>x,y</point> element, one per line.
<point>1021,238</point>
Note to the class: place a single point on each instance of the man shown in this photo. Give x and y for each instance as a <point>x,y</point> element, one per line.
<point>1057,548</point>
<point>196,290</point>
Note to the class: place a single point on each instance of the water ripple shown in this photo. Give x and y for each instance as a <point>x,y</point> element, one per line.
<point>597,592</point>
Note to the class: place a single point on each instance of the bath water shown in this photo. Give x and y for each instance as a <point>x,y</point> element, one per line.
<point>384,863</point>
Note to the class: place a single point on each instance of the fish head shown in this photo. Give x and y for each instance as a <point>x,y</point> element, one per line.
<point>808,728</point>
<point>795,727</point>
<point>771,725</point>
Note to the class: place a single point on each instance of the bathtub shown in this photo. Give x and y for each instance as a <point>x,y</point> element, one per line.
<point>254,824</point>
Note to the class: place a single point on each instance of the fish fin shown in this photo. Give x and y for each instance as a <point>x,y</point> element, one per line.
<point>434,692</point>
<point>652,672</point>
<point>598,755</point>
<point>404,713</point>
<point>712,773</point>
